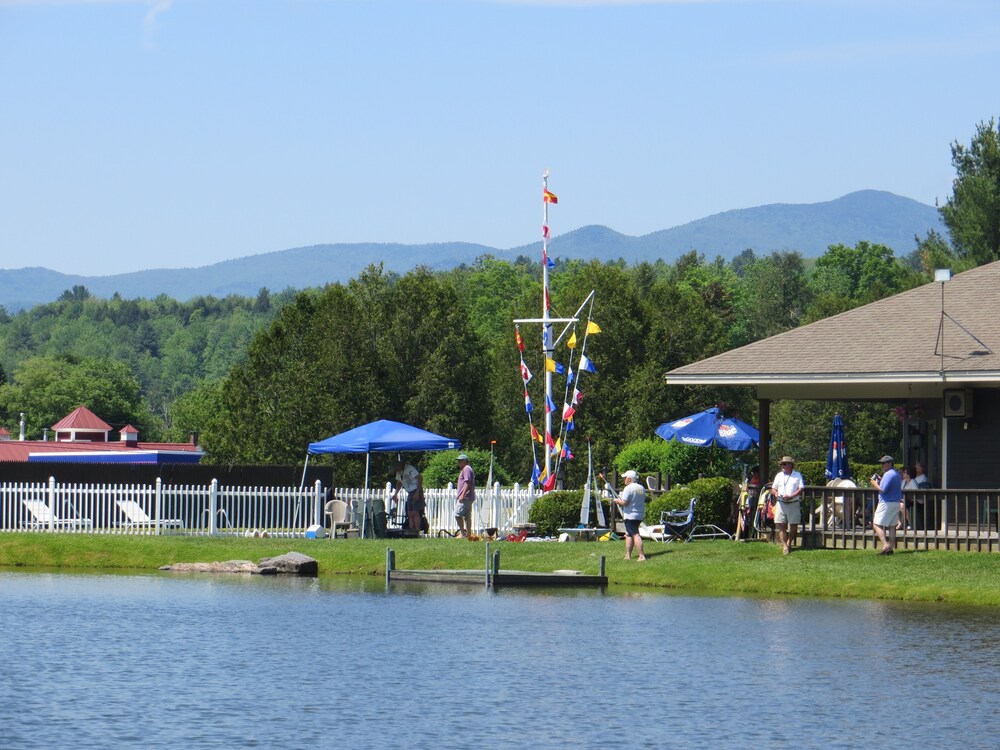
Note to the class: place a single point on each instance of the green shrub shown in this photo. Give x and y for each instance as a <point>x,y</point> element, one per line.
<point>814,472</point>
<point>715,500</point>
<point>644,456</point>
<point>680,462</point>
<point>442,468</point>
<point>555,510</point>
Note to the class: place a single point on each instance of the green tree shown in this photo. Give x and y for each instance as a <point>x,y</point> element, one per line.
<point>771,299</point>
<point>972,213</point>
<point>46,389</point>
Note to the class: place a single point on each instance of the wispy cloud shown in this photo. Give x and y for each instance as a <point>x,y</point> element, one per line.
<point>157,8</point>
<point>868,52</point>
<point>606,3</point>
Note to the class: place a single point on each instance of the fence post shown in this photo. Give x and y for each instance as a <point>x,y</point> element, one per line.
<point>213,507</point>
<point>318,503</point>
<point>158,504</point>
<point>52,503</point>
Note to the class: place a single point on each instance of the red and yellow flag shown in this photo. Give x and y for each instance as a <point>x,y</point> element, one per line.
<point>549,197</point>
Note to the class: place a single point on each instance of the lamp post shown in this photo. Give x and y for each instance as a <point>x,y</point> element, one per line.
<point>942,276</point>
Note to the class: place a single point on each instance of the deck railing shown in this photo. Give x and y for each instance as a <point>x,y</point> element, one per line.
<point>936,519</point>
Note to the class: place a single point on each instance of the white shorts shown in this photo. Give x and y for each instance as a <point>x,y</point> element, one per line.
<point>886,514</point>
<point>788,512</point>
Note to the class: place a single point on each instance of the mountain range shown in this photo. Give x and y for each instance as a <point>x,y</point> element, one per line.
<point>871,215</point>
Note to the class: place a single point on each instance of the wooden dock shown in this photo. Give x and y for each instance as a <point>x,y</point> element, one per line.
<point>491,576</point>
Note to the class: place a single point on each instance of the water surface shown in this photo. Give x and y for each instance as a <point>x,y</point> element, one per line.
<point>160,661</point>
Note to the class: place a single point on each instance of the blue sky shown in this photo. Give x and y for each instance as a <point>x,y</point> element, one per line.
<point>178,133</point>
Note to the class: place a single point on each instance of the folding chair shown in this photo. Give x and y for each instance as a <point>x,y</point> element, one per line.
<point>680,525</point>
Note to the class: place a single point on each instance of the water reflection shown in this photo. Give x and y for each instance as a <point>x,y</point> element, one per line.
<point>195,661</point>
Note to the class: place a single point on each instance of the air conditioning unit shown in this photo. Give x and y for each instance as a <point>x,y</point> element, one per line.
<point>958,403</point>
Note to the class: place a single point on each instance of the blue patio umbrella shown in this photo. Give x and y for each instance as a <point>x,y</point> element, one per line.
<point>711,428</point>
<point>837,465</point>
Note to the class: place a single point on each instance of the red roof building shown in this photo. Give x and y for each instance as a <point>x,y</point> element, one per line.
<point>83,437</point>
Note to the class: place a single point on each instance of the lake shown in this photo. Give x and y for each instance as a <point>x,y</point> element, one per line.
<point>172,661</point>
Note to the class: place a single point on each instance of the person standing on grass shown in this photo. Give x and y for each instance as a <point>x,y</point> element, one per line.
<point>409,478</point>
<point>787,489</point>
<point>890,494</point>
<point>466,496</point>
<point>633,505</point>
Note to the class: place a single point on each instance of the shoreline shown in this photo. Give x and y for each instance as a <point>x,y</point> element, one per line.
<point>701,567</point>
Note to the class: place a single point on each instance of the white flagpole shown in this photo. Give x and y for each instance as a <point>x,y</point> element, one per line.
<point>547,343</point>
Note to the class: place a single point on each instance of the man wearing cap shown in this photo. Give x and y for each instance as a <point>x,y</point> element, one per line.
<point>633,504</point>
<point>890,494</point>
<point>787,489</point>
<point>466,496</point>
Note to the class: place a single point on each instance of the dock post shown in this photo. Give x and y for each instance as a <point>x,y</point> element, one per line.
<point>390,563</point>
<point>603,561</point>
<point>487,566</point>
<point>496,566</point>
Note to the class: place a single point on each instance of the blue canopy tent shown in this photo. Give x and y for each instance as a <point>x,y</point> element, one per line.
<point>711,428</point>
<point>383,436</point>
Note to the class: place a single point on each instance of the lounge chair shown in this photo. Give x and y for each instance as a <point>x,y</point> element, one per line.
<point>680,525</point>
<point>136,517</point>
<point>43,518</point>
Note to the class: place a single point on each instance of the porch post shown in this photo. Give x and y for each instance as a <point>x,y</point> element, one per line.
<point>764,420</point>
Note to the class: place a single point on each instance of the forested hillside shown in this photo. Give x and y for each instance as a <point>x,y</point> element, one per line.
<point>53,355</point>
<point>260,378</point>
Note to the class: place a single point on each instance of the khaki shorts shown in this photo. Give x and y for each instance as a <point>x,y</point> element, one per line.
<point>886,514</point>
<point>788,512</point>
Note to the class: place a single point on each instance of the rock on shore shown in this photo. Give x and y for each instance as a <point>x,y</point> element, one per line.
<point>291,563</point>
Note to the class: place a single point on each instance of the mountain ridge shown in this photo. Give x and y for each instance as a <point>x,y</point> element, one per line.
<point>809,228</point>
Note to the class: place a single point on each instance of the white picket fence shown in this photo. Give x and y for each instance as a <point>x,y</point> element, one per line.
<point>245,511</point>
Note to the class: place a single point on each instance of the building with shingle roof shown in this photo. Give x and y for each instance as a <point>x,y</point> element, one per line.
<point>934,349</point>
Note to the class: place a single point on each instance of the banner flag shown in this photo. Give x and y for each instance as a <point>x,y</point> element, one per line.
<point>593,327</point>
<point>549,197</point>
<point>586,364</point>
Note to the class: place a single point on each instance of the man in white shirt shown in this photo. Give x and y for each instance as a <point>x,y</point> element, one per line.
<point>787,489</point>
<point>633,505</point>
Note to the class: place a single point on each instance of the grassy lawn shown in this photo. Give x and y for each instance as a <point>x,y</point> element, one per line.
<point>715,567</point>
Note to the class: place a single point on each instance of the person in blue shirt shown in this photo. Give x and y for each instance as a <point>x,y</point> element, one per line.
<point>890,494</point>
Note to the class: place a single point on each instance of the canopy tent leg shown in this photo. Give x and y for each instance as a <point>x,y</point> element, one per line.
<point>364,517</point>
<point>305,468</point>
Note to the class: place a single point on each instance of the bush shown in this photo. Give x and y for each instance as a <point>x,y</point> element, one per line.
<point>643,456</point>
<point>442,468</point>
<point>680,462</point>
<point>715,501</point>
<point>555,510</point>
